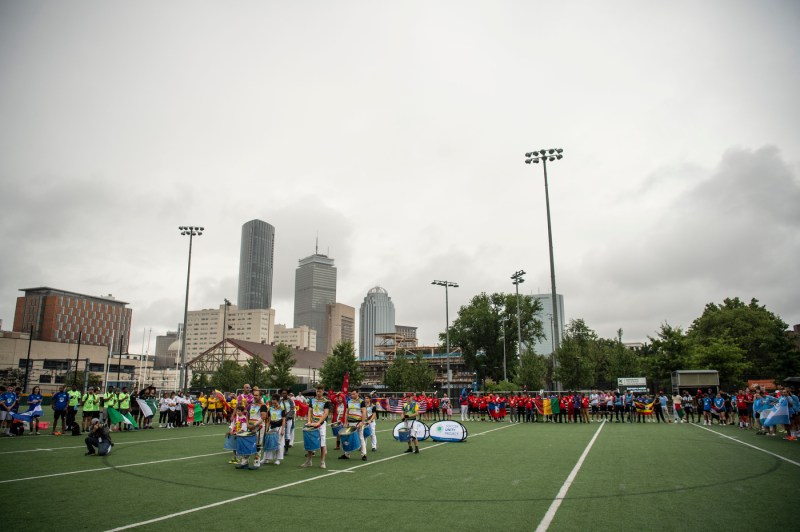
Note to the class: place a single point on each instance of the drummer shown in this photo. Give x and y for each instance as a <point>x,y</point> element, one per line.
<point>410,413</point>
<point>339,404</point>
<point>277,424</point>
<point>356,417</point>
<point>318,412</point>
<point>238,424</point>
<point>256,423</point>
<point>372,415</point>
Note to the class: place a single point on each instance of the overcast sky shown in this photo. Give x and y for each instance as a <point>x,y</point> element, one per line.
<point>397,132</point>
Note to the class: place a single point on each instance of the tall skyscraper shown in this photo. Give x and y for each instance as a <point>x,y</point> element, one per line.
<point>255,265</point>
<point>314,290</point>
<point>341,324</point>
<point>376,317</point>
<point>545,347</point>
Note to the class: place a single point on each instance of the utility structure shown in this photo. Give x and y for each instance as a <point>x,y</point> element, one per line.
<point>225,327</point>
<point>447,284</point>
<point>190,231</point>
<point>516,279</point>
<point>536,157</point>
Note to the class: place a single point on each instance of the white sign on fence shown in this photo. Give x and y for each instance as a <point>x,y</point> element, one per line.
<point>632,381</point>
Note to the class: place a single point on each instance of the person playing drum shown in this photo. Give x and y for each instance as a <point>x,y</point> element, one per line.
<point>277,425</point>
<point>318,413</point>
<point>256,421</point>
<point>410,412</point>
<point>372,415</point>
<point>356,416</point>
<point>238,424</point>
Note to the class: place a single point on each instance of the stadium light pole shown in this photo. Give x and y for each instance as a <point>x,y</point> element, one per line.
<point>446,285</point>
<point>190,231</point>
<point>516,279</point>
<point>543,156</point>
<point>224,327</point>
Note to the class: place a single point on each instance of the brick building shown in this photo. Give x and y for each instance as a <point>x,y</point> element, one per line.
<point>59,315</point>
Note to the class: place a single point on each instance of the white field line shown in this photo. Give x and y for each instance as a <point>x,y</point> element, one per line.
<point>118,443</point>
<point>562,493</point>
<point>749,445</point>
<point>111,467</point>
<point>283,486</point>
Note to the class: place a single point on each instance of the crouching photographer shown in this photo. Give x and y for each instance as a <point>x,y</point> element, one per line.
<point>98,438</point>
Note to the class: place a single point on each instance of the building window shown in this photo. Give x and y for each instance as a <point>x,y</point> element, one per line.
<point>45,379</point>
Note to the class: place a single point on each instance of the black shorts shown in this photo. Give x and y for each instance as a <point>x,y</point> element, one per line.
<point>90,415</point>
<point>742,411</point>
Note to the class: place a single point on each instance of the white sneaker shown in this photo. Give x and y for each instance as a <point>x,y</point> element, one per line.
<point>277,462</point>
<point>307,463</point>
<point>322,466</point>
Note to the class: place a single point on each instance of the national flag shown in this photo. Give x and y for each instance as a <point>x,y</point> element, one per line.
<point>538,402</point>
<point>29,415</point>
<point>395,406</point>
<point>198,412</point>
<point>190,414</point>
<point>463,394</point>
<point>778,414</point>
<point>115,416</point>
<point>221,400</point>
<point>679,410</point>
<point>346,383</point>
<point>147,408</point>
<point>644,408</point>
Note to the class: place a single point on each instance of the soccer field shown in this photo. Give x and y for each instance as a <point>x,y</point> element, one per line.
<point>504,477</point>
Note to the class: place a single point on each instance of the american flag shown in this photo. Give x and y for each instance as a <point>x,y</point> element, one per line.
<point>396,405</point>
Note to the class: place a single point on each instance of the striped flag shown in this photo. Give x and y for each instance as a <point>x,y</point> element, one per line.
<point>147,409</point>
<point>29,415</point>
<point>778,414</point>
<point>115,416</point>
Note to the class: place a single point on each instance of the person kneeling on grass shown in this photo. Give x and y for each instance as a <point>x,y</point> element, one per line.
<point>410,412</point>
<point>99,438</point>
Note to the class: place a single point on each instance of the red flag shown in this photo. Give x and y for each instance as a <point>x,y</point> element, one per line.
<point>345,386</point>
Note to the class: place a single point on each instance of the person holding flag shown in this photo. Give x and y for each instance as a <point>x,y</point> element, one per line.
<point>109,400</point>
<point>677,410</point>
<point>318,413</point>
<point>410,413</point>
<point>124,406</point>
<point>35,409</point>
<point>91,408</point>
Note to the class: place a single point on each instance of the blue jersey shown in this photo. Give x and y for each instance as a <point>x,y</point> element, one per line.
<point>9,398</point>
<point>34,400</point>
<point>719,403</point>
<point>60,400</point>
<point>707,404</point>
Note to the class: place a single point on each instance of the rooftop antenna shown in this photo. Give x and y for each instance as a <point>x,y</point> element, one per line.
<point>316,245</point>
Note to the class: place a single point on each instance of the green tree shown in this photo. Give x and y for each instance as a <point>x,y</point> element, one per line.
<point>622,361</point>
<point>533,370</point>
<point>279,373</point>
<point>255,373</point>
<point>501,386</point>
<point>229,377</point>
<point>751,327</point>
<point>199,381</point>
<point>487,323</point>
<point>410,375</point>
<point>341,361</point>
<point>95,379</point>
<point>581,361</point>
<point>669,351</point>
<point>723,355</point>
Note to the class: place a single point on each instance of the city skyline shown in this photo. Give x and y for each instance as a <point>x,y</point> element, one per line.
<point>397,134</point>
<point>255,265</point>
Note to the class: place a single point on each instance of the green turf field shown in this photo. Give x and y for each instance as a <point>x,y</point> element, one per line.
<point>504,477</point>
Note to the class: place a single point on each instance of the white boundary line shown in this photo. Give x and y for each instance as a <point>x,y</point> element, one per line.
<point>749,445</point>
<point>118,443</point>
<point>276,488</point>
<point>111,467</point>
<point>562,493</point>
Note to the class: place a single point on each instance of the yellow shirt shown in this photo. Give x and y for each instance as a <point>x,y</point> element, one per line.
<point>203,401</point>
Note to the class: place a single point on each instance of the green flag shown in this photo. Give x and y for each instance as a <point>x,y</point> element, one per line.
<point>114,416</point>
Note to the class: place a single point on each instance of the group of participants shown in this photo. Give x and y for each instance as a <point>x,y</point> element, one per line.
<point>746,408</point>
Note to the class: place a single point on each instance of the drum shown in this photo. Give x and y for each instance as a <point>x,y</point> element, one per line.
<point>403,434</point>
<point>246,443</point>
<point>367,431</point>
<point>420,430</point>
<point>350,439</point>
<point>336,427</point>
<point>271,441</point>
<point>311,438</point>
<point>230,442</point>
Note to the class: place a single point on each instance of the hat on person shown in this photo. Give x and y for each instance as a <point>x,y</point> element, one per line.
<point>95,420</point>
